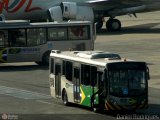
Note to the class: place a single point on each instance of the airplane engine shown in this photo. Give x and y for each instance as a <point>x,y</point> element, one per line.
<point>55,14</point>
<point>70,11</point>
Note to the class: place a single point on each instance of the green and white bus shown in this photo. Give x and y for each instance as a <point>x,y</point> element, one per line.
<point>22,41</point>
<point>97,79</point>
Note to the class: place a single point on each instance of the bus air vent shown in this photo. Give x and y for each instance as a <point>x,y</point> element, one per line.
<point>56,51</point>
<point>98,55</point>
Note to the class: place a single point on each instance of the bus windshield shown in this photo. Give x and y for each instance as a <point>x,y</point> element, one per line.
<point>127,82</point>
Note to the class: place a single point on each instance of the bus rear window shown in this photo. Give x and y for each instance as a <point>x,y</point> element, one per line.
<point>79,33</point>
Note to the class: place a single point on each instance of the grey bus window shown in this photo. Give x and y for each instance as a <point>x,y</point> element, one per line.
<point>79,33</point>
<point>57,34</point>
<point>36,36</point>
<point>3,38</point>
<point>17,38</point>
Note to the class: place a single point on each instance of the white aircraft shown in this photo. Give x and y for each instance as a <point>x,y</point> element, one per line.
<point>93,10</point>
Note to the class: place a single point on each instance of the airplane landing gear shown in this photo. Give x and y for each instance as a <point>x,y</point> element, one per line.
<point>113,25</point>
<point>99,24</point>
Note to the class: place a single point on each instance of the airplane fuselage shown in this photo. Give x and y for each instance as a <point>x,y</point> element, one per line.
<point>92,10</point>
<point>33,9</point>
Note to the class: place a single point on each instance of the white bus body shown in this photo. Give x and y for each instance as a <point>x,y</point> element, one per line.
<point>97,79</point>
<point>22,41</point>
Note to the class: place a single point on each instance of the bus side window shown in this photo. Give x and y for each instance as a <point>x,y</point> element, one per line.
<point>3,38</point>
<point>57,34</point>
<point>104,83</point>
<point>85,74</point>
<point>52,34</point>
<point>17,38</point>
<point>93,76</point>
<point>68,70</point>
<point>36,36</point>
<point>42,37</point>
<point>78,32</point>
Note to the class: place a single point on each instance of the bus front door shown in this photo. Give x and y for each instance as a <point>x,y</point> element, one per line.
<point>76,86</point>
<point>58,80</point>
<point>97,89</point>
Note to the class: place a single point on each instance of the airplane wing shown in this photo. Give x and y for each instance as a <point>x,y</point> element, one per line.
<point>120,2</point>
<point>118,7</point>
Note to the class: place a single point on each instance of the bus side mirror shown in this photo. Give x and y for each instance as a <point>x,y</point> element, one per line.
<point>148,76</point>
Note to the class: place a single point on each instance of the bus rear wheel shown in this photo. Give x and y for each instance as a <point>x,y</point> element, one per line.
<point>96,110</point>
<point>45,59</point>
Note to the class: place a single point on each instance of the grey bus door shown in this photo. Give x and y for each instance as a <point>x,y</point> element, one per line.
<point>58,80</point>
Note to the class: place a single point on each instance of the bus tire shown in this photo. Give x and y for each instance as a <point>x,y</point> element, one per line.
<point>96,110</point>
<point>65,98</point>
<point>45,58</point>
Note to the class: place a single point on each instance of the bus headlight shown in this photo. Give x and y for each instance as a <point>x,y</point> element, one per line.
<point>113,101</point>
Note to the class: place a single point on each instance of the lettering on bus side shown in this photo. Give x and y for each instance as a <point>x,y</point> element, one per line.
<point>23,50</point>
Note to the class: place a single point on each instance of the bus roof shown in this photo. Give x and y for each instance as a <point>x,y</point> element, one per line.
<point>99,58</point>
<point>62,23</point>
<point>26,23</point>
